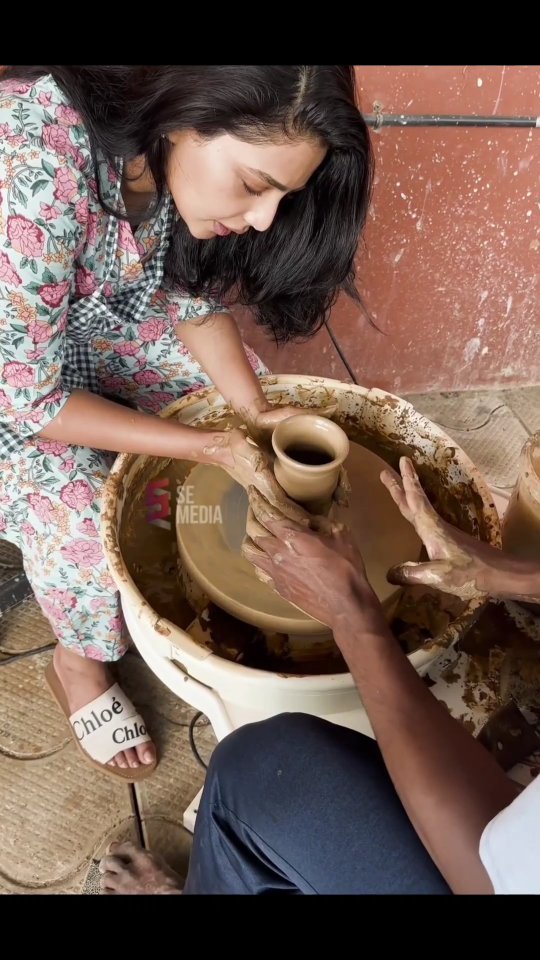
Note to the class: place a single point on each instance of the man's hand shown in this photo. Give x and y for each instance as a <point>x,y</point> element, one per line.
<point>319,570</point>
<point>459,563</point>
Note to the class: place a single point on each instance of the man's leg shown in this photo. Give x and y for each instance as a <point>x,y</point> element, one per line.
<point>291,805</point>
<point>295,804</point>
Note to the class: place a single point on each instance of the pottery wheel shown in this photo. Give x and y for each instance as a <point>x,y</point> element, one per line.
<point>211,525</point>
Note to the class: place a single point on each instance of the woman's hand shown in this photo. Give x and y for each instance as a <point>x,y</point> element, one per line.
<point>262,422</point>
<point>251,467</point>
<point>263,417</point>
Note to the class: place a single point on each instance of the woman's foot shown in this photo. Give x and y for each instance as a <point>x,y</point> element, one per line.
<point>83,680</point>
<point>128,869</point>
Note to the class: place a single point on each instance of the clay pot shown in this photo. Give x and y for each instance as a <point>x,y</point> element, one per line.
<point>310,451</point>
<point>521,526</point>
<point>232,694</point>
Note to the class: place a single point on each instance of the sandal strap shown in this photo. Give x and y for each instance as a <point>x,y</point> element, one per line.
<point>108,725</point>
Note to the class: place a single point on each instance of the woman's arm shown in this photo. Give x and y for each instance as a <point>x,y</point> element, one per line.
<point>91,421</point>
<point>216,344</point>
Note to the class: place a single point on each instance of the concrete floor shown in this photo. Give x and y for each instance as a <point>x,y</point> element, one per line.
<point>56,813</point>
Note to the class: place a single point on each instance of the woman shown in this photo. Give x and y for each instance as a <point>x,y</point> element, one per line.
<point>135,200</point>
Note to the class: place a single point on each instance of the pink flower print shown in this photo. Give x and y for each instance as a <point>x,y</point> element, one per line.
<point>40,332</point>
<point>88,527</point>
<point>151,330</point>
<point>252,357</point>
<point>49,212</point>
<point>79,158</point>
<point>86,553</point>
<point>147,377</point>
<point>44,99</point>
<point>66,187</point>
<point>2,524</point>
<point>65,597</point>
<point>7,133</point>
<point>67,466</point>
<point>116,624</point>
<point>54,396</point>
<point>107,582</point>
<point>25,236</point>
<point>126,240</point>
<point>53,447</point>
<point>77,494</point>
<point>55,614</point>
<point>85,282</point>
<point>42,507</point>
<point>67,116</point>
<point>129,348</point>
<point>15,86</point>
<point>111,174</point>
<point>54,293</point>
<point>34,355</point>
<point>91,228</point>
<point>81,210</point>
<point>112,384</point>
<point>7,273</point>
<point>28,529</point>
<point>62,322</point>
<point>155,402</point>
<point>95,653</point>
<point>4,400</point>
<point>108,289</point>
<point>99,603</point>
<point>173,312</point>
<point>18,374</point>
<point>56,139</point>
<point>193,389</point>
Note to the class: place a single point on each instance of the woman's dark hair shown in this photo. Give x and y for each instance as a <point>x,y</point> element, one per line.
<point>291,274</point>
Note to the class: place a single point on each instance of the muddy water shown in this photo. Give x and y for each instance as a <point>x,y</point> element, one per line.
<point>151,556</point>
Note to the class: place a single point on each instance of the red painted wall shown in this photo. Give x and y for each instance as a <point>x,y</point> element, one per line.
<point>449,263</point>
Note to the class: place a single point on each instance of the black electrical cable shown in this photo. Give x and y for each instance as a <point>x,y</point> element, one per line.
<point>191,728</point>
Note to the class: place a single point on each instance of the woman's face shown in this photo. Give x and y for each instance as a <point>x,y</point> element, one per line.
<point>225,185</point>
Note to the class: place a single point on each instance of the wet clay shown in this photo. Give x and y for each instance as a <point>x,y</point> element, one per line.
<point>243,643</point>
<point>211,551</point>
<point>150,552</point>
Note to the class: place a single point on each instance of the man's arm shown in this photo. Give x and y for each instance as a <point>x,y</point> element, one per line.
<point>458,563</point>
<point>449,784</point>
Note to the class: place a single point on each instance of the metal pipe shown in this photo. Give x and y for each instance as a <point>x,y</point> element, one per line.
<point>378,120</point>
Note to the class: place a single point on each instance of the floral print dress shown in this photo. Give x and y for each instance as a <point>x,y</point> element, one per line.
<point>81,307</point>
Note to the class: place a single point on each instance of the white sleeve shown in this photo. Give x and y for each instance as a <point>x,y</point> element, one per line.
<point>510,844</point>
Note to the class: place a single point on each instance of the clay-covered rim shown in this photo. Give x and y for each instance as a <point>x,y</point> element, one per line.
<point>210,401</point>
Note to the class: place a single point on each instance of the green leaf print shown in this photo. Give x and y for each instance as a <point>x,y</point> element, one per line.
<point>48,168</point>
<point>39,185</point>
